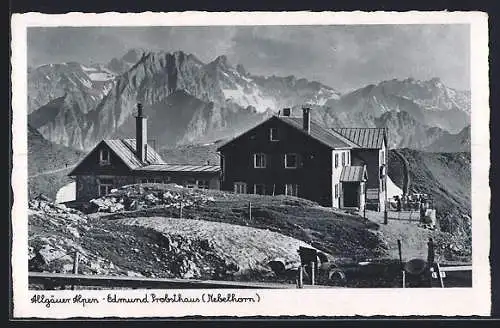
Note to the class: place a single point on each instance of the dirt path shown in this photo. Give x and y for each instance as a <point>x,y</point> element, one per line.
<point>413,238</point>
<point>52,171</point>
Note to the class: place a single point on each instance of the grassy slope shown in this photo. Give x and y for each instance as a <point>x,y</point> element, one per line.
<point>43,156</point>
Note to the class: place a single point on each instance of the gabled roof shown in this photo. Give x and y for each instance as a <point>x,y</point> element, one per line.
<point>353,174</point>
<point>125,149</point>
<point>370,138</point>
<point>317,132</point>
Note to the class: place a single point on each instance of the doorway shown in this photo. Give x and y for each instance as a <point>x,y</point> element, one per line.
<point>350,194</point>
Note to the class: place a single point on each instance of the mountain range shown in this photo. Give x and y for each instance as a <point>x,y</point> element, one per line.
<point>189,101</point>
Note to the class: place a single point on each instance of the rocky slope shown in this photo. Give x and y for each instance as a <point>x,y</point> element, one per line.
<point>215,239</point>
<point>85,85</point>
<point>429,102</point>
<point>451,143</point>
<point>45,159</point>
<point>404,130</point>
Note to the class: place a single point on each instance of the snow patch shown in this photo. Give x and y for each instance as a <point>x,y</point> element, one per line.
<point>100,76</point>
<point>88,69</point>
<point>393,189</point>
<point>66,193</point>
<point>254,98</point>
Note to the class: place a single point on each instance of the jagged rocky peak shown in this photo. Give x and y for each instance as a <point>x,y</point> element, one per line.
<point>241,70</point>
<point>222,62</point>
<point>436,81</point>
<point>134,55</point>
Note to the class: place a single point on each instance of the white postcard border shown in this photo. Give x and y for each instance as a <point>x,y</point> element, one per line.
<point>311,302</point>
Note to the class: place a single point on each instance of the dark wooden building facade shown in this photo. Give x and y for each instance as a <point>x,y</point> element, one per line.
<point>298,157</point>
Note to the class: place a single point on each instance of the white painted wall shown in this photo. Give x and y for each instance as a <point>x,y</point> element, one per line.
<point>336,172</point>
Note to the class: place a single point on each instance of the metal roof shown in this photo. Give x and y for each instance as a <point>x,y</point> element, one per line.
<point>125,149</point>
<point>180,168</point>
<point>321,134</point>
<point>371,138</point>
<point>353,174</point>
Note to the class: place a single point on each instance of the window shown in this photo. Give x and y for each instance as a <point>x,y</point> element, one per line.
<point>105,186</point>
<point>259,189</point>
<point>203,184</point>
<point>292,189</point>
<point>343,159</point>
<point>259,160</point>
<point>291,161</point>
<point>336,160</point>
<point>190,183</point>
<point>273,134</point>
<point>104,158</point>
<point>240,188</point>
<point>336,190</point>
<point>348,158</point>
<point>151,180</point>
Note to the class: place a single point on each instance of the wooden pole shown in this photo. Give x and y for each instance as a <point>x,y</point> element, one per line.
<point>401,262</point>
<point>312,273</point>
<point>250,211</point>
<point>364,208</point>
<point>301,277</point>
<point>439,275</point>
<point>76,260</point>
<point>430,258</point>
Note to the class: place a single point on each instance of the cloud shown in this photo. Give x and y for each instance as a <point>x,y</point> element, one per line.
<point>344,56</point>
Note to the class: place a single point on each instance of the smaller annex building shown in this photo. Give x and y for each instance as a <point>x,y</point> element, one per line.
<point>118,162</point>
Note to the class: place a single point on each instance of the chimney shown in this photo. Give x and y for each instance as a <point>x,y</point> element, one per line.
<point>306,119</point>
<point>141,134</point>
<point>286,112</point>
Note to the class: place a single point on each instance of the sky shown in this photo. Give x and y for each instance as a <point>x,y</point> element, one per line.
<point>344,57</point>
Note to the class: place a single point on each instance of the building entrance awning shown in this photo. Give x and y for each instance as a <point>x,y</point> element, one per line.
<point>353,174</point>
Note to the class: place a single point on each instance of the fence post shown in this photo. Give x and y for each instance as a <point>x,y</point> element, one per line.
<point>439,275</point>
<point>180,210</point>
<point>301,277</point>
<point>76,259</point>
<point>312,273</point>
<point>249,211</point>
<point>430,258</point>
<point>403,273</point>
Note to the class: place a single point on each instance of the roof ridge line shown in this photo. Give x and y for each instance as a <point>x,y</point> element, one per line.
<point>340,135</point>
<point>343,139</point>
